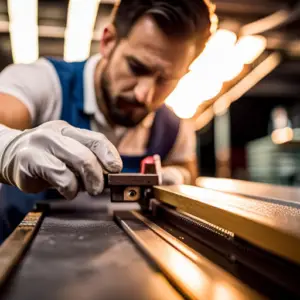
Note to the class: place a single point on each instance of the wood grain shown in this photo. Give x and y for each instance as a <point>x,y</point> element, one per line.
<point>14,246</point>
<point>286,195</point>
<point>273,227</point>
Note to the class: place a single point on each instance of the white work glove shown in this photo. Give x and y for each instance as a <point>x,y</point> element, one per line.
<point>56,155</point>
<point>175,175</point>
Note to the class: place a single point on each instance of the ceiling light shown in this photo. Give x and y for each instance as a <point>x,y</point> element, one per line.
<point>23,30</point>
<point>192,90</point>
<point>80,28</point>
<point>248,48</point>
<point>282,135</point>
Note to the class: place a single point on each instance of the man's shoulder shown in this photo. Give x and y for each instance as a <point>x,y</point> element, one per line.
<point>165,117</point>
<point>61,64</point>
<point>37,67</point>
<point>70,64</point>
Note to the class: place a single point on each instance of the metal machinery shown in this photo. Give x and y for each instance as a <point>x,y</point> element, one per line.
<point>223,239</point>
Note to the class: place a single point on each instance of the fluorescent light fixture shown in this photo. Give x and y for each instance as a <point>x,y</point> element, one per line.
<point>23,30</point>
<point>80,28</point>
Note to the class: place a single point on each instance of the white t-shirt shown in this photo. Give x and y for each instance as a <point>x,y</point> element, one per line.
<point>38,87</point>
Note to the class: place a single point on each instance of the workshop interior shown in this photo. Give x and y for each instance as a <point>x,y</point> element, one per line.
<point>234,233</point>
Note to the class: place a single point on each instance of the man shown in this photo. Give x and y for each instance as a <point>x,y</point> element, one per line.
<point>120,93</point>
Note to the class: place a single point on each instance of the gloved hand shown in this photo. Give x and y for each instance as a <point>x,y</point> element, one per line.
<point>56,155</point>
<point>175,175</point>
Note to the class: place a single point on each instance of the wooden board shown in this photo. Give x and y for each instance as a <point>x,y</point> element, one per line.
<point>79,252</point>
<point>16,244</point>
<point>283,194</point>
<point>273,227</point>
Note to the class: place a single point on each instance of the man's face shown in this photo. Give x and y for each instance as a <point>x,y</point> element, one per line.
<point>141,70</point>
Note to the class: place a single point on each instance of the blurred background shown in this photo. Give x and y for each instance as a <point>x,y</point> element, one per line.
<point>243,91</point>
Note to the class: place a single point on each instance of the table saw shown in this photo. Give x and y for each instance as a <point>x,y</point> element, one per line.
<point>219,240</point>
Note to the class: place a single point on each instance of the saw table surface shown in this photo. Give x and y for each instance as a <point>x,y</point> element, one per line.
<point>88,249</point>
<point>80,253</point>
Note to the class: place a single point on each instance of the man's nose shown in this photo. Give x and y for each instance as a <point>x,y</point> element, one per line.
<point>144,90</point>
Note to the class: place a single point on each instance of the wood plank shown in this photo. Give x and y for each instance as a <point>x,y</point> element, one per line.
<point>16,244</point>
<point>285,195</point>
<point>273,227</point>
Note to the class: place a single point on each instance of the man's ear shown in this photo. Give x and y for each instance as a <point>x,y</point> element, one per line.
<point>108,41</point>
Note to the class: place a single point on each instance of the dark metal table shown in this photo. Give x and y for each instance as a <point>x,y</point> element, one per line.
<point>81,253</point>
<point>191,243</point>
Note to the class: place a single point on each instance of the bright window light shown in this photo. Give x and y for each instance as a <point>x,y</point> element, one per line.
<point>223,59</point>
<point>217,60</point>
<point>192,90</point>
<point>214,23</point>
<point>231,67</point>
<point>248,48</point>
<point>223,38</point>
<point>23,30</point>
<point>219,46</point>
<point>80,28</point>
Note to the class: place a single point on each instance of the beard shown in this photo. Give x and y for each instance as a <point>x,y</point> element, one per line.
<point>123,111</point>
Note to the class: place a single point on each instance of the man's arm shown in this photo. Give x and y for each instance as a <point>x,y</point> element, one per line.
<point>56,155</point>
<point>189,170</point>
<point>13,113</point>
<point>29,94</point>
<point>181,165</point>
<point>53,154</point>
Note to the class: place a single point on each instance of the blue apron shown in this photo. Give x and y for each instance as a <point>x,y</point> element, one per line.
<point>14,204</point>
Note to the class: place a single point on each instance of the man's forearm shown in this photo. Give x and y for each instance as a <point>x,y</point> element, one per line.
<point>13,113</point>
<point>181,173</point>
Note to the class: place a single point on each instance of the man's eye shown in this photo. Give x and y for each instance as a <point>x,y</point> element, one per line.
<point>138,70</point>
<point>134,69</point>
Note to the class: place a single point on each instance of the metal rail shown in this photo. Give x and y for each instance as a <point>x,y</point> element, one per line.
<point>192,274</point>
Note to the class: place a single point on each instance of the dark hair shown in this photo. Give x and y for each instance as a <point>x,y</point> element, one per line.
<point>178,18</point>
